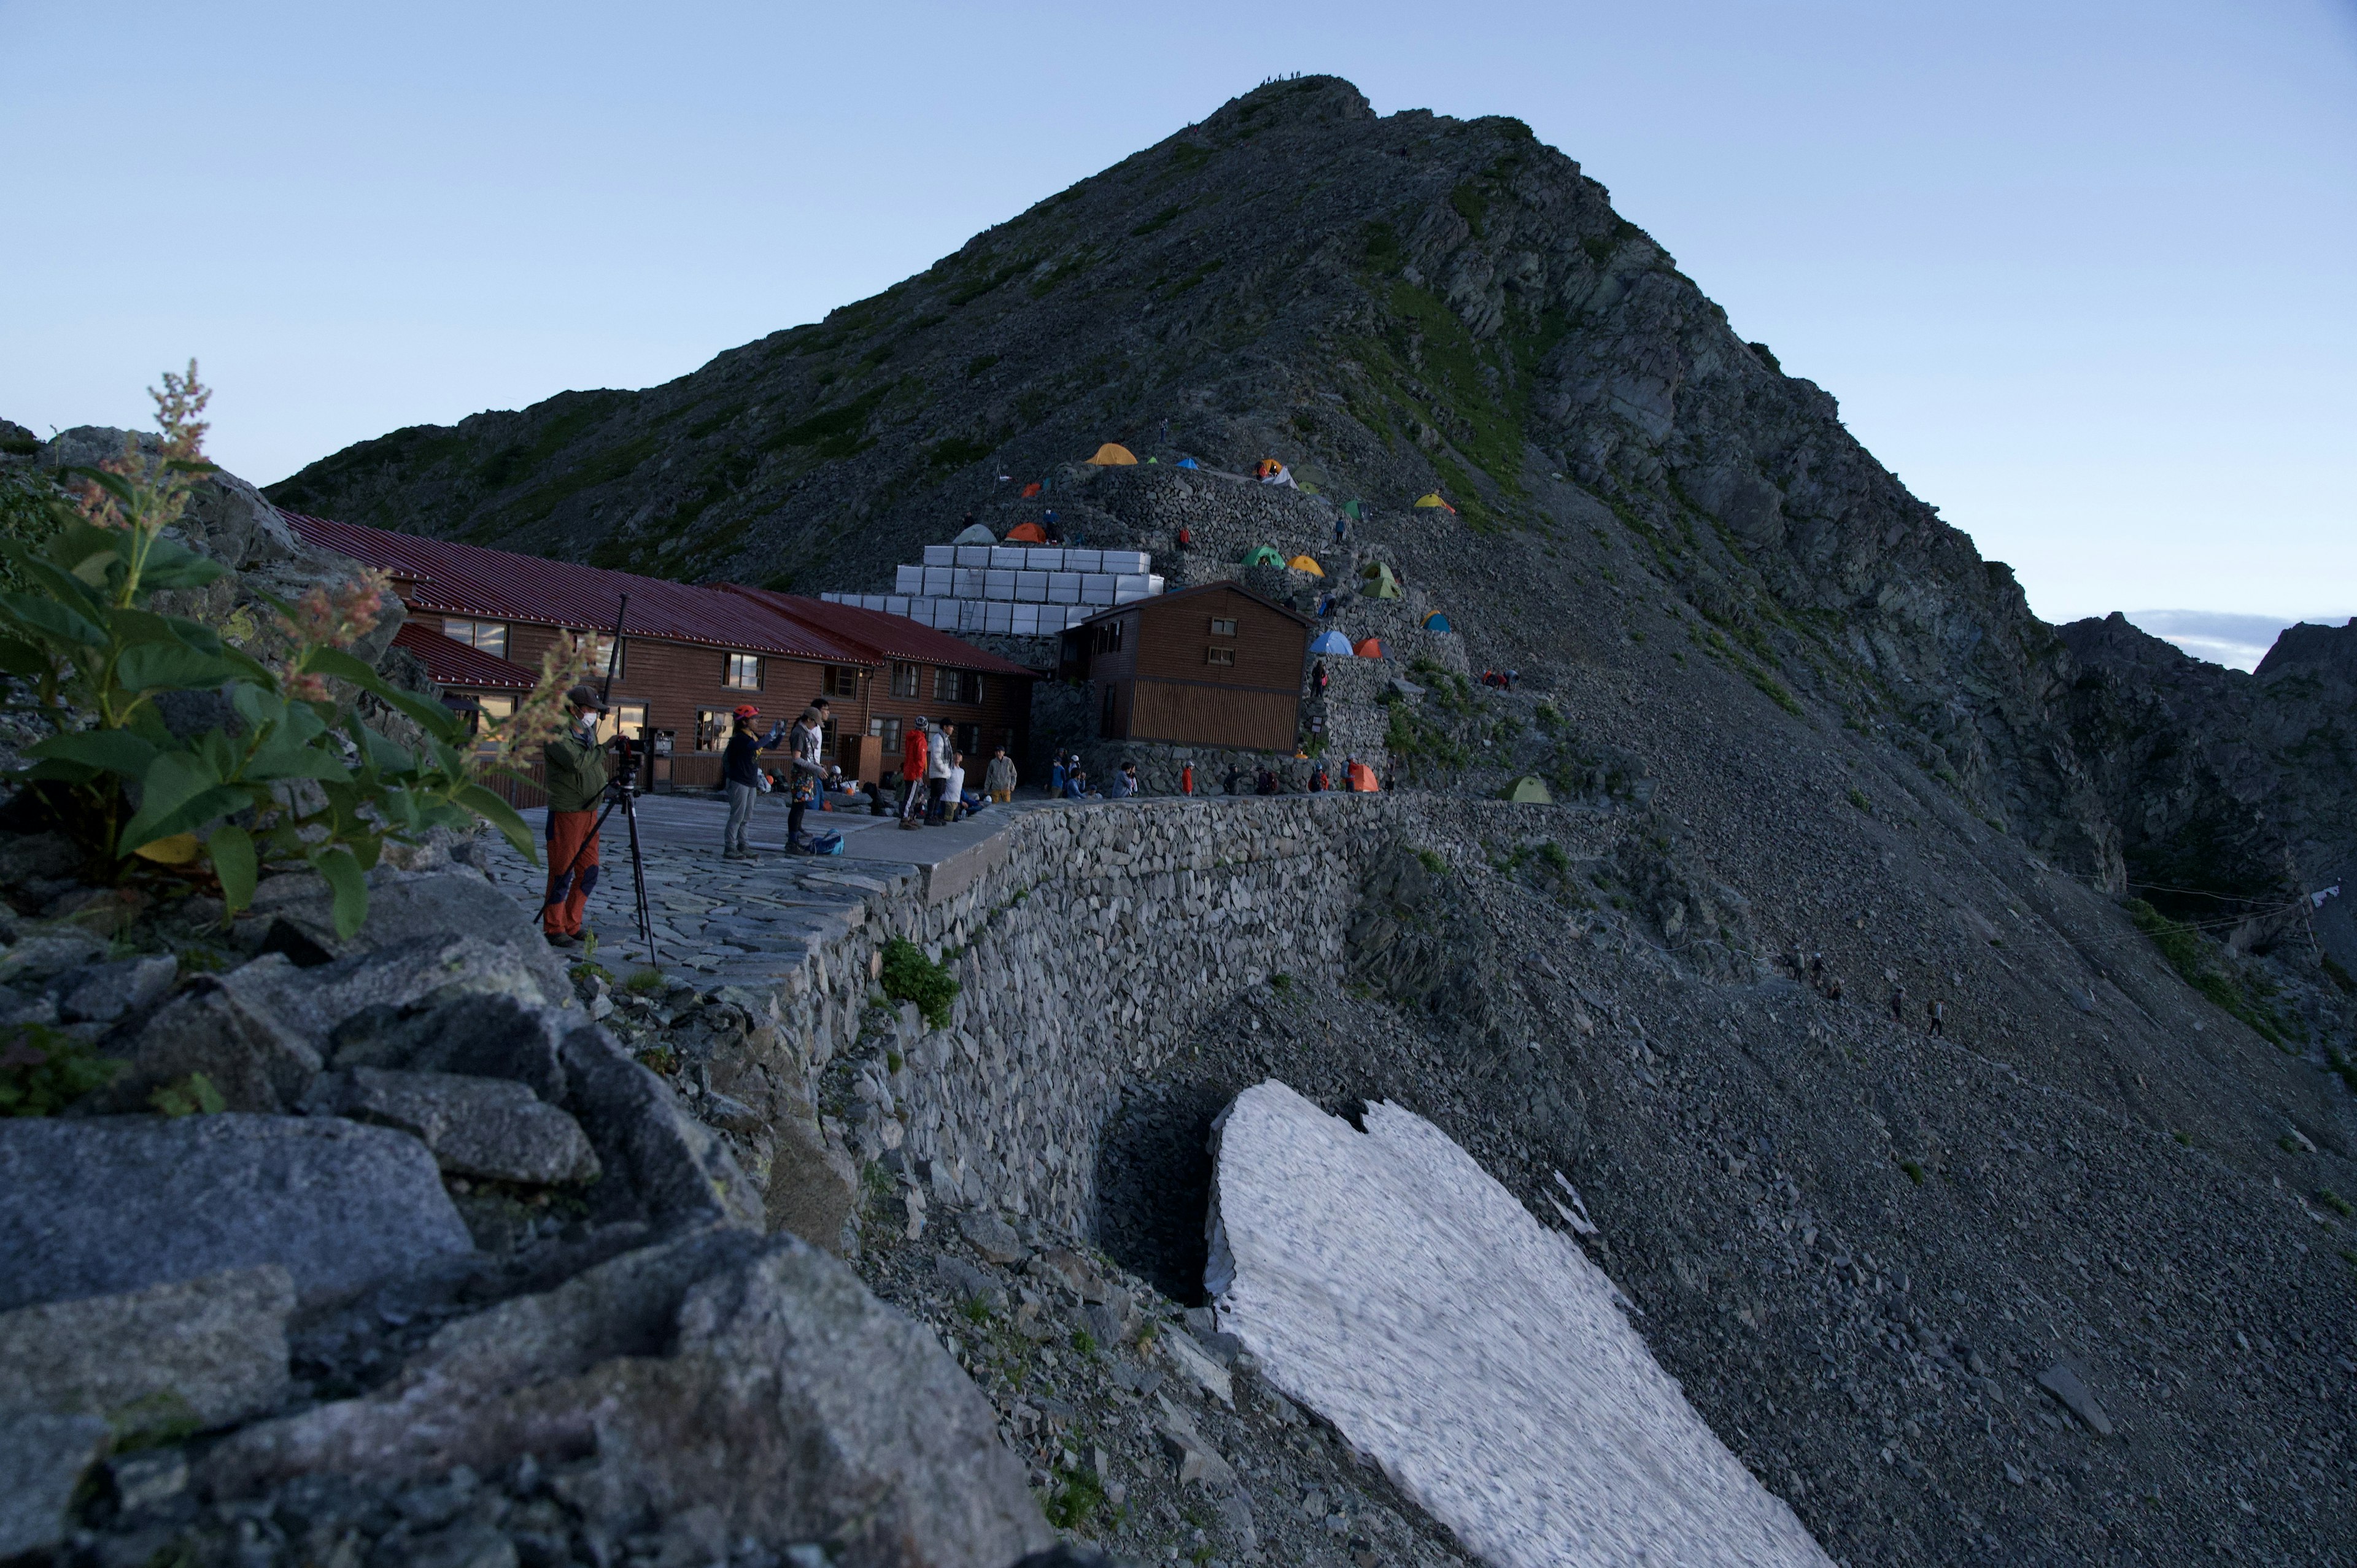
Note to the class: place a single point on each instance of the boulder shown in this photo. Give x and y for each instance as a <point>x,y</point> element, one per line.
<point>104,992</point>
<point>42,1460</point>
<point>813,1190</point>
<point>42,955</point>
<point>406,906</point>
<point>313,1000</point>
<point>489,1036</point>
<point>209,1351</point>
<point>486,1127</point>
<point>993,1237</point>
<point>259,1063</point>
<point>753,1377</point>
<point>674,1170</point>
<point>105,1205</point>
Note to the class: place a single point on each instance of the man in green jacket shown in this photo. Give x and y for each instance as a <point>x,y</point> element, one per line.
<point>575,774</point>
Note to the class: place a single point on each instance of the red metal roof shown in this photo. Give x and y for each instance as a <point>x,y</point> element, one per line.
<point>883,636</point>
<point>455,664</point>
<point>499,585</point>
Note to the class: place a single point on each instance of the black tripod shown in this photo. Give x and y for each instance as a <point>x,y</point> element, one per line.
<point>624,792</point>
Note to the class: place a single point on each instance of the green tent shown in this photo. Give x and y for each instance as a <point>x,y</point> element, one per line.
<point>1351,509</point>
<point>1529,791</point>
<point>1381,584</point>
<point>1262,555</point>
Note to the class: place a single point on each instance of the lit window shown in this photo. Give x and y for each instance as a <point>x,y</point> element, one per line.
<point>623,718</point>
<point>490,635</point>
<point>1222,627</point>
<point>490,713</point>
<point>743,672</point>
<point>601,645</point>
<point>1218,656</point>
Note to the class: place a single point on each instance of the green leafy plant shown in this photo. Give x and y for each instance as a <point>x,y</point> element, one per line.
<point>2335,1202</point>
<point>909,976</point>
<point>287,777</point>
<point>646,982</point>
<point>1074,1499</point>
<point>42,1071</point>
<point>192,1096</point>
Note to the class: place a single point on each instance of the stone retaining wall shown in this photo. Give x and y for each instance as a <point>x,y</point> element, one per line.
<point>1086,942</point>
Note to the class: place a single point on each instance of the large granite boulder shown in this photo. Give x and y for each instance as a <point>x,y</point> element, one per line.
<point>106,1205</point>
<point>203,1351</point>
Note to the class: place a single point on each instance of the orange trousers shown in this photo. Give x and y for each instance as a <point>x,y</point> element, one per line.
<point>572,871</point>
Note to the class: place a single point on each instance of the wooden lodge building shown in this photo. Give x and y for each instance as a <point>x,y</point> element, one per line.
<point>480,619</point>
<point>1211,666</point>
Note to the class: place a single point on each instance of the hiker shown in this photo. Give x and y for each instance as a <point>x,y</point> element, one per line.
<point>1049,524</point>
<point>938,761</point>
<point>1318,780</point>
<point>953,793</point>
<point>575,766</point>
<point>1235,777</point>
<point>1318,677</point>
<point>1186,537</point>
<point>916,751</point>
<point>1510,679</point>
<point>1324,606</point>
<point>1130,787</point>
<point>1076,785</point>
<point>1341,527</point>
<point>1267,784</point>
<point>1186,779</point>
<point>1899,1005</point>
<point>740,777</point>
<point>804,776</point>
<point>1055,775</point>
<point>1937,1013</point>
<point>1833,988</point>
<point>998,778</point>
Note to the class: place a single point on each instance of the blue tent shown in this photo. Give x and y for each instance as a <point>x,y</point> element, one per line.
<point>1435,621</point>
<point>1189,463</point>
<point>1330,644</point>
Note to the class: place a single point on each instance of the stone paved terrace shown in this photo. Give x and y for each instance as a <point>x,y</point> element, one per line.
<point>750,922</point>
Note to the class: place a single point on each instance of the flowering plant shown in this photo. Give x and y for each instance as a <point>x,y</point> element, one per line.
<point>286,775</point>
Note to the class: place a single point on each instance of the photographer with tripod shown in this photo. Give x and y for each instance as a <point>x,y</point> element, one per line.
<point>576,780</point>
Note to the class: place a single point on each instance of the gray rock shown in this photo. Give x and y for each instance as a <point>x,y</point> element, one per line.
<point>814,1191</point>
<point>406,907</point>
<point>993,1237</point>
<point>464,1546</point>
<point>2066,1386</point>
<point>101,1205</point>
<point>42,1459</point>
<point>838,1417</point>
<point>970,1282</point>
<point>103,993</point>
<point>311,1001</point>
<point>36,856</point>
<point>253,1057</point>
<point>488,1127</point>
<point>487,1036</point>
<point>147,1477</point>
<point>44,955</point>
<point>677,1170</point>
<point>212,1350</point>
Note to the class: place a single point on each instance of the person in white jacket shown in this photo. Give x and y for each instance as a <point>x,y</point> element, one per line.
<point>937,771</point>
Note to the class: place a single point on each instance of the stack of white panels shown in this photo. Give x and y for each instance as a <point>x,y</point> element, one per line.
<point>974,554</point>
<point>940,554</point>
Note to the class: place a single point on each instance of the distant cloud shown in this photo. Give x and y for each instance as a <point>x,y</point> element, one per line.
<point>2237,641</point>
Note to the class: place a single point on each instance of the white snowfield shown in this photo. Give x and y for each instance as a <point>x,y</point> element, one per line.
<point>1385,1281</point>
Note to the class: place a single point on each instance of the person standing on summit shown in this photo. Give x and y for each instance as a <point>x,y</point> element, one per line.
<point>916,751</point>
<point>741,776</point>
<point>573,766</point>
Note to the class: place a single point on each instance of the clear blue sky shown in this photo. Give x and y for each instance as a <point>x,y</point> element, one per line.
<point>2083,274</point>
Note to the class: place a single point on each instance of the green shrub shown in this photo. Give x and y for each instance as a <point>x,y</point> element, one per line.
<point>192,1096</point>
<point>2335,1202</point>
<point>645,982</point>
<point>1074,1500</point>
<point>2181,945</point>
<point>909,976</point>
<point>288,779</point>
<point>42,1071</point>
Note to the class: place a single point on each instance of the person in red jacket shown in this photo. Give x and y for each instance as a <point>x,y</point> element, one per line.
<point>1187,780</point>
<point>916,750</point>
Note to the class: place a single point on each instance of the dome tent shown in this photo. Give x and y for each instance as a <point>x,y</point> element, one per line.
<point>1303,564</point>
<point>1330,645</point>
<point>1026,533</point>
<point>1262,555</point>
<point>1381,584</point>
<point>975,534</point>
<point>1530,792</point>
<point>1369,648</point>
<point>1113,454</point>
<point>1435,621</point>
<point>1433,499</point>
<point>1189,463</point>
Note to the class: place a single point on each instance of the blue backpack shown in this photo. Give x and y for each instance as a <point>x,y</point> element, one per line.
<point>827,844</point>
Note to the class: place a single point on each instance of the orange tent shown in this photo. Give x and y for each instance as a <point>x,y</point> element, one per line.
<point>1369,648</point>
<point>1113,454</point>
<point>1030,490</point>
<point>1026,533</point>
<point>1362,778</point>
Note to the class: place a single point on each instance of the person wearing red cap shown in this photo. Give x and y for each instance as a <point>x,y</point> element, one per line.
<point>740,774</point>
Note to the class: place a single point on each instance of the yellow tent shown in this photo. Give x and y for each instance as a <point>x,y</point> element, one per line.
<point>1303,564</point>
<point>1109,456</point>
<point>1434,499</point>
<point>1530,792</point>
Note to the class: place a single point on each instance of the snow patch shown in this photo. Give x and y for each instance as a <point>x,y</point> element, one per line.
<point>1385,1281</point>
